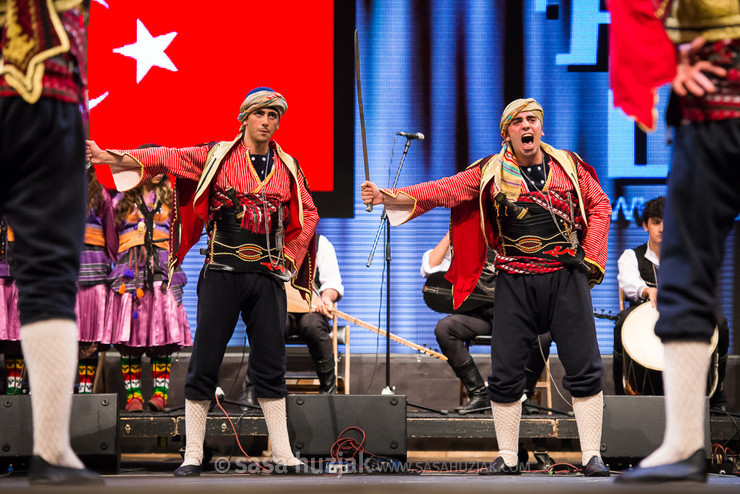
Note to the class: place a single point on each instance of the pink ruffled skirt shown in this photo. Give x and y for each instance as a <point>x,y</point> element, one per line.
<point>10,323</point>
<point>160,320</point>
<point>90,308</point>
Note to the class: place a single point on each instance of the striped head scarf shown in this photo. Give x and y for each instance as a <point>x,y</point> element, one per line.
<point>511,176</point>
<point>261,97</point>
<point>515,108</point>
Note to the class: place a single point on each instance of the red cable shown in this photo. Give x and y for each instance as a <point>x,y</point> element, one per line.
<point>347,444</point>
<point>236,436</point>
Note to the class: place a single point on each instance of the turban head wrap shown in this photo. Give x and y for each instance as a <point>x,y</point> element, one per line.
<point>511,177</point>
<point>261,97</point>
<point>515,108</point>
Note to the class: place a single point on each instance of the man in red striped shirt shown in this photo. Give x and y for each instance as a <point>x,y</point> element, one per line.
<point>261,221</point>
<point>542,209</point>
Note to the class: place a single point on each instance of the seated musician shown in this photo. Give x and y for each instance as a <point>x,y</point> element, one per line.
<point>456,331</point>
<point>313,327</point>
<point>638,280</point>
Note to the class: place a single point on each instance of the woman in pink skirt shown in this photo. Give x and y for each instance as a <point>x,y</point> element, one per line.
<point>100,250</point>
<point>10,324</point>
<point>145,312</point>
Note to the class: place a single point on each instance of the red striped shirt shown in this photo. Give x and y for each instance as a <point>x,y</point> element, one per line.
<point>236,171</point>
<point>451,191</point>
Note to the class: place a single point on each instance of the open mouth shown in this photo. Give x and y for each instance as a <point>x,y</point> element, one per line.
<point>527,139</point>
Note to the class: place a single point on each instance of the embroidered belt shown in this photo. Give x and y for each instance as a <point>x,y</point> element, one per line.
<point>233,248</point>
<point>538,235</point>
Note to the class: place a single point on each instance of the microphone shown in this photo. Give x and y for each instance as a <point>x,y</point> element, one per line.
<point>409,135</point>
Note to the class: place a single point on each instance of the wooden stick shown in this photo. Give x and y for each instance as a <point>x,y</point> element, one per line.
<point>382,332</point>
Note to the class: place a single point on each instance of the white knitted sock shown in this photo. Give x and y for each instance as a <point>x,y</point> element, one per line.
<point>276,419</point>
<point>196,413</point>
<point>589,412</point>
<point>50,348</point>
<point>506,418</point>
<point>685,385</point>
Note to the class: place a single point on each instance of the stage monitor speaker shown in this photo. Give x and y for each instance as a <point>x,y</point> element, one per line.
<point>634,426</point>
<point>93,431</point>
<point>316,421</point>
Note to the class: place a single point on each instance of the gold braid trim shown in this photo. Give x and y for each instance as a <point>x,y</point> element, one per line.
<point>17,45</point>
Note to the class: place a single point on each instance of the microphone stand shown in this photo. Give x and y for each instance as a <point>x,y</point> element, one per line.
<point>388,389</point>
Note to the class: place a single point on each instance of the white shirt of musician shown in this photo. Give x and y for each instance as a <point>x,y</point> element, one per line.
<point>442,267</point>
<point>328,267</point>
<point>629,278</point>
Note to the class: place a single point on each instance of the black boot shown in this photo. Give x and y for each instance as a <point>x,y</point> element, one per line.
<point>470,376</point>
<point>327,377</point>
<point>246,398</point>
<point>529,389</point>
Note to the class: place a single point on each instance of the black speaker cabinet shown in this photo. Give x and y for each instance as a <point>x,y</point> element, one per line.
<point>316,421</point>
<point>93,431</point>
<point>634,426</point>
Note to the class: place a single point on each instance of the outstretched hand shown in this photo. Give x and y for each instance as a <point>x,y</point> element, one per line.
<point>370,193</point>
<point>94,154</point>
<point>690,77</point>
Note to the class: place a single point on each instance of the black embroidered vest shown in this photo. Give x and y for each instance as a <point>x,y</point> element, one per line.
<point>648,270</point>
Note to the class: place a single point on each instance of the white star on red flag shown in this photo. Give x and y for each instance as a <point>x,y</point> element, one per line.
<point>211,61</point>
<point>148,51</point>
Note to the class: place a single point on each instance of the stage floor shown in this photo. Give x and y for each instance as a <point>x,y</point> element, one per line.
<point>426,483</point>
<point>444,454</point>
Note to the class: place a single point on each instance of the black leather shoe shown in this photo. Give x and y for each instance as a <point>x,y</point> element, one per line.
<point>476,404</point>
<point>498,467</point>
<point>300,469</point>
<point>188,471</point>
<point>693,468</point>
<point>42,472</point>
<point>718,401</point>
<point>247,398</point>
<point>595,468</point>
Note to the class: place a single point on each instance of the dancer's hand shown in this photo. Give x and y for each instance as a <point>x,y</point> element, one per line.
<point>690,77</point>
<point>94,154</point>
<point>371,193</point>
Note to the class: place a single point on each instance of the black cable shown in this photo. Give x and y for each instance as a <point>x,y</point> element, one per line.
<point>377,336</point>
<point>241,363</point>
<point>737,430</point>
<point>382,275</point>
<point>238,431</point>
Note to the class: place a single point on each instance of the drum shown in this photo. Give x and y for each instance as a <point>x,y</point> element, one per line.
<point>643,354</point>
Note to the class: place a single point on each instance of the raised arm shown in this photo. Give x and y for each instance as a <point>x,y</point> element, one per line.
<point>133,166</point>
<point>406,203</point>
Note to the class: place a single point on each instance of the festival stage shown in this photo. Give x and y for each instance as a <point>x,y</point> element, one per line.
<point>139,451</point>
<point>443,452</point>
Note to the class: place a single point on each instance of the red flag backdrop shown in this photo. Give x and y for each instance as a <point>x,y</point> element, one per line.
<point>164,72</point>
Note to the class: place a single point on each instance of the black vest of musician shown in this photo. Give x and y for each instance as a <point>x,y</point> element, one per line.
<point>648,270</point>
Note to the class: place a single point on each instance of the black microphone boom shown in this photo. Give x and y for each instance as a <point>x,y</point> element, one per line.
<point>409,135</point>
